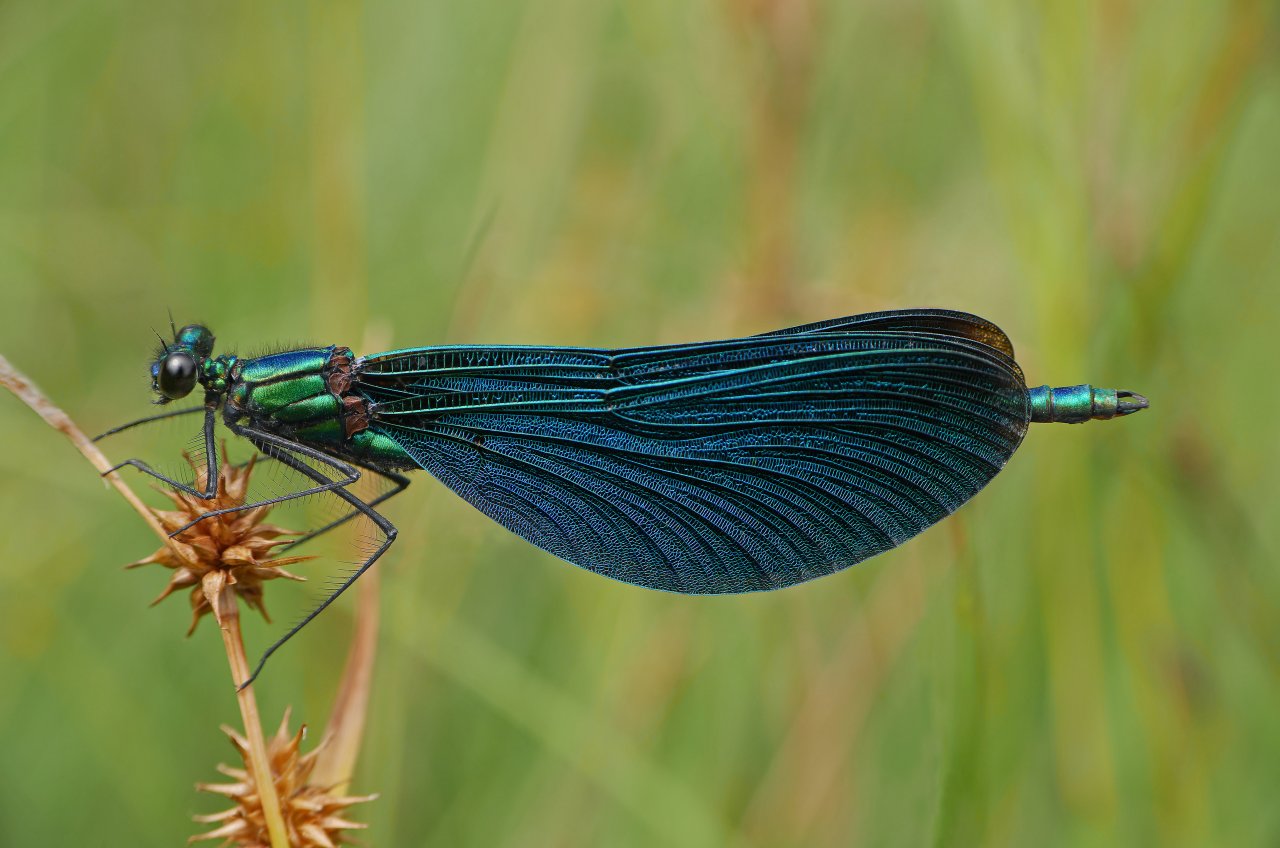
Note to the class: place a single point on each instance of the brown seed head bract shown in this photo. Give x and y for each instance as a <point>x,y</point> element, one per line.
<point>231,551</point>
<point>314,815</point>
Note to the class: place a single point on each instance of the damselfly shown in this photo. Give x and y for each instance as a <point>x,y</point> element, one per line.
<point>732,466</point>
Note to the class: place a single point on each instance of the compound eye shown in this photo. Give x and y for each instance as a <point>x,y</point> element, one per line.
<point>177,375</point>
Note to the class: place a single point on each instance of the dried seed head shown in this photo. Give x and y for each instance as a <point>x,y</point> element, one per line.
<point>313,815</point>
<point>226,552</point>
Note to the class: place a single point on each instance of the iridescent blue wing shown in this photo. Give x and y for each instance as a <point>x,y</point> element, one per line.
<point>730,466</point>
<point>946,322</point>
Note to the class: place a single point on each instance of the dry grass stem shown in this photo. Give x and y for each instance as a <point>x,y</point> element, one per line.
<point>259,764</point>
<point>229,619</point>
<point>18,383</point>
<point>341,745</point>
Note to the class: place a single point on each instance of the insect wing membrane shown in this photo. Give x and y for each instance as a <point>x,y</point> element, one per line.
<point>734,466</point>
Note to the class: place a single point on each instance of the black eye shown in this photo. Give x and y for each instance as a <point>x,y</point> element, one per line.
<point>177,375</point>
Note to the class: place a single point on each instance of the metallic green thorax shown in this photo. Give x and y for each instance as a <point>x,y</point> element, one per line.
<point>305,395</point>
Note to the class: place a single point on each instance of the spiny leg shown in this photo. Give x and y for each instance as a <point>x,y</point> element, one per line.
<point>171,414</point>
<point>210,459</point>
<point>276,448</point>
<point>400,483</point>
<point>288,454</point>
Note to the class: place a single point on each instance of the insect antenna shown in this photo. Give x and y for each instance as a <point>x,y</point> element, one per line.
<point>164,346</point>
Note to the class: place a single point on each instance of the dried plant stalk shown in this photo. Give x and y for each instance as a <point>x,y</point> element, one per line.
<point>237,554</point>
<point>229,622</point>
<point>18,383</point>
<point>341,744</point>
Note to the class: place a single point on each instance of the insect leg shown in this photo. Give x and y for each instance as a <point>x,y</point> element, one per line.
<point>288,454</point>
<point>171,414</point>
<point>210,459</point>
<point>400,483</point>
<point>276,447</point>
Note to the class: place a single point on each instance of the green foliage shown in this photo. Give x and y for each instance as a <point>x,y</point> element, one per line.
<point>1085,655</point>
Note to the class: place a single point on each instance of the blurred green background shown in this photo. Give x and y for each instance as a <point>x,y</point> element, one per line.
<point>1087,654</point>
